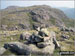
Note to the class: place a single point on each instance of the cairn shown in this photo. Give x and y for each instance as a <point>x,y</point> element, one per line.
<point>40,42</point>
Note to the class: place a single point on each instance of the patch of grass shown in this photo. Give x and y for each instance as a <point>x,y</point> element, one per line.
<point>8,52</point>
<point>54,28</point>
<point>56,52</point>
<point>69,22</point>
<point>67,45</point>
<point>53,21</point>
<point>9,39</point>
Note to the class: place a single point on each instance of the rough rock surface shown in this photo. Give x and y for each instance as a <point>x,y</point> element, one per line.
<point>2,50</point>
<point>27,49</point>
<point>18,47</point>
<point>66,29</point>
<point>25,36</point>
<point>65,36</point>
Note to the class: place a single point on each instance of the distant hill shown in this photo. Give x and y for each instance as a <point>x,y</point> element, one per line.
<point>25,17</point>
<point>70,12</point>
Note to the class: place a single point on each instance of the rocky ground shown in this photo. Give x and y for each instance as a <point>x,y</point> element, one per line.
<point>15,21</point>
<point>64,36</point>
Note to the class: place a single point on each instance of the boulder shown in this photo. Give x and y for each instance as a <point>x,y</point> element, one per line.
<point>53,39</point>
<point>67,29</point>
<point>4,27</point>
<point>35,39</point>
<point>2,50</point>
<point>25,36</point>
<point>72,29</point>
<point>24,49</point>
<point>44,44</point>
<point>18,48</point>
<point>65,36</point>
<point>64,29</point>
<point>41,45</point>
<point>47,50</point>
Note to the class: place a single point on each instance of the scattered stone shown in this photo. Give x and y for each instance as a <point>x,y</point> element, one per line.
<point>67,29</point>
<point>64,29</point>
<point>65,36</point>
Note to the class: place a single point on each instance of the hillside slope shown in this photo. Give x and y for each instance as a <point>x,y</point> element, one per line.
<point>14,17</point>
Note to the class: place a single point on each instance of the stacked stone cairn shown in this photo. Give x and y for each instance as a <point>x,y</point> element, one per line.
<point>40,42</point>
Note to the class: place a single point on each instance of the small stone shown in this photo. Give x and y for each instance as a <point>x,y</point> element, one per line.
<point>65,36</point>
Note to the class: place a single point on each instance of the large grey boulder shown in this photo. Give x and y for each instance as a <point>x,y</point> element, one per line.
<point>24,49</point>
<point>2,50</point>
<point>18,47</point>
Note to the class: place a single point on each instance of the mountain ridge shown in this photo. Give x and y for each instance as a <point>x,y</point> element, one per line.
<point>26,17</point>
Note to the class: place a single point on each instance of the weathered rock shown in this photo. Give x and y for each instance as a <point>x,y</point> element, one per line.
<point>2,50</point>
<point>53,39</point>
<point>64,29</point>
<point>47,50</point>
<point>35,39</point>
<point>72,29</point>
<point>24,49</point>
<point>18,47</point>
<point>65,36</point>
<point>44,44</point>
<point>25,36</point>
<point>4,27</point>
<point>67,29</point>
<point>45,41</point>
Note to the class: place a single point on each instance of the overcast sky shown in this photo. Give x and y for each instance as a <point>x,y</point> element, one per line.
<point>68,4</point>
